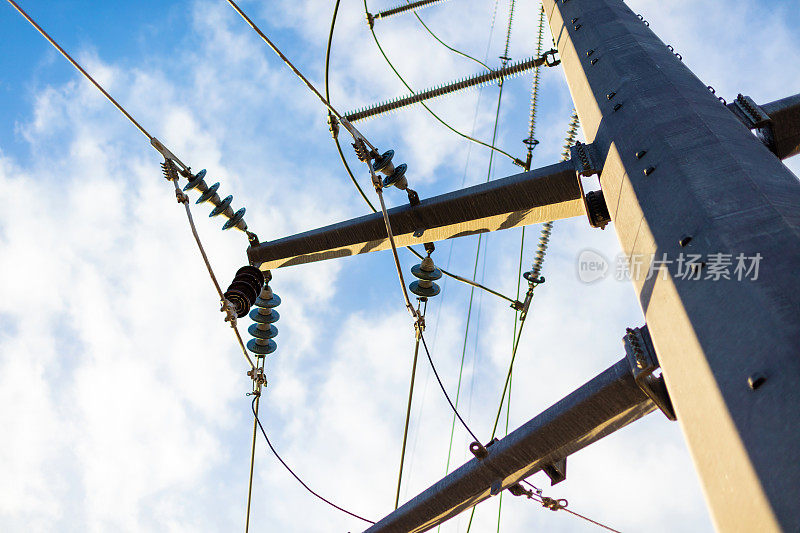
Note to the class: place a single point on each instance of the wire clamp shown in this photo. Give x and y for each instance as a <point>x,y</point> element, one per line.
<point>181,197</point>
<point>259,379</point>
<point>227,307</point>
<point>553,504</point>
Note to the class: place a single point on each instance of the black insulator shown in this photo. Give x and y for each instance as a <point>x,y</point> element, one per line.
<point>197,182</point>
<point>397,178</point>
<point>224,207</point>
<point>383,161</point>
<point>244,289</point>
<point>210,194</point>
<point>261,350</point>
<point>426,272</point>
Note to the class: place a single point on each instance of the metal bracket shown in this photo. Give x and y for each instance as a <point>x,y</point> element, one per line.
<point>642,357</point>
<point>557,472</point>
<point>584,159</point>
<point>749,112</point>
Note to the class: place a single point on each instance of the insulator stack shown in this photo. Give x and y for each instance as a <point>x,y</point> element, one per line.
<point>427,273</point>
<point>544,240</point>
<point>244,289</point>
<point>264,316</point>
<point>221,206</point>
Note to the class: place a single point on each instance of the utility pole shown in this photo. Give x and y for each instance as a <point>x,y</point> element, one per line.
<point>681,174</point>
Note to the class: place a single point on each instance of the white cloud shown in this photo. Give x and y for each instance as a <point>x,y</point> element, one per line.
<point>124,389</point>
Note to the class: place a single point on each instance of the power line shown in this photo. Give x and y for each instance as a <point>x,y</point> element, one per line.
<point>288,468</point>
<point>434,115</point>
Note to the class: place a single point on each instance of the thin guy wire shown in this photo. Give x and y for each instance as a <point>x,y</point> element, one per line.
<point>434,115</point>
<point>350,128</point>
<point>211,271</point>
<point>77,66</point>
<point>277,456</point>
<point>595,522</point>
<point>408,418</point>
<point>361,191</point>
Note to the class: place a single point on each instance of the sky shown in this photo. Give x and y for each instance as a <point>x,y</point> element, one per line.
<point>123,390</point>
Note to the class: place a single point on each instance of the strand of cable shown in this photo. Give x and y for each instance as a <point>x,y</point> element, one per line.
<point>555,505</point>
<point>459,52</point>
<point>361,191</point>
<point>349,127</point>
<point>516,161</point>
<point>504,58</point>
<point>289,469</point>
<point>257,394</point>
<point>408,412</point>
<point>444,391</point>
<point>226,305</point>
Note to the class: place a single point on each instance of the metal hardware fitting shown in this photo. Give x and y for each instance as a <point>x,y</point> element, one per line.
<point>643,361</point>
<point>585,161</point>
<point>749,112</point>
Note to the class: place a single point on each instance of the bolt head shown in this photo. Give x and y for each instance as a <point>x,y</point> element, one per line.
<point>756,380</point>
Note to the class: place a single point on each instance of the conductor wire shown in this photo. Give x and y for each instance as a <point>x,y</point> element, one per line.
<point>277,456</point>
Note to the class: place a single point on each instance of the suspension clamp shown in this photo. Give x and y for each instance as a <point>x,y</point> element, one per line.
<point>258,376</point>
<point>586,162</point>
<point>551,58</point>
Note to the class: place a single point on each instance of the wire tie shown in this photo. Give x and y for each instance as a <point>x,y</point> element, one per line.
<point>181,197</point>
<point>229,310</point>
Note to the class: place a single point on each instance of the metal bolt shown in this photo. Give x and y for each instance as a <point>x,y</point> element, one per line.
<point>756,380</point>
<point>577,27</point>
<point>590,52</point>
<point>611,95</point>
<point>575,20</point>
<point>649,170</point>
<point>685,240</point>
<point>640,154</point>
<point>594,61</point>
<point>617,107</point>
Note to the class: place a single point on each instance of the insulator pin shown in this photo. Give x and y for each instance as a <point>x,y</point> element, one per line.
<point>244,289</point>
<point>427,273</point>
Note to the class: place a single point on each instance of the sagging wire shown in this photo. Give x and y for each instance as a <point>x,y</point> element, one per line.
<point>492,147</point>
<point>334,132</point>
<point>289,469</point>
<point>259,380</point>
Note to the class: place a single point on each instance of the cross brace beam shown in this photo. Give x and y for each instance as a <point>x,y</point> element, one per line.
<point>541,195</point>
<point>777,123</point>
<point>600,407</point>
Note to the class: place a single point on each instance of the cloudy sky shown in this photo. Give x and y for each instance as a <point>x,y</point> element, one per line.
<point>123,390</point>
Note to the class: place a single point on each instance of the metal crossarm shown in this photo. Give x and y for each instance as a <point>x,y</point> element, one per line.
<point>541,195</point>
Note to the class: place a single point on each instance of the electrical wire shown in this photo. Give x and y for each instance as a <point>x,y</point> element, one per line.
<point>257,394</point>
<point>459,52</point>
<point>444,391</point>
<point>408,415</point>
<point>583,517</point>
<point>288,468</point>
<point>516,161</point>
<point>361,191</point>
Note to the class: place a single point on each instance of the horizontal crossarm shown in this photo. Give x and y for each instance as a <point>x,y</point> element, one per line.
<point>540,195</point>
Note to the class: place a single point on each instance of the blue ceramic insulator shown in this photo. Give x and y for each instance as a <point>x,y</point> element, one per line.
<point>258,333</point>
<point>275,301</point>
<point>221,207</point>
<point>260,318</point>
<point>418,272</point>
<point>422,291</point>
<point>235,219</point>
<point>383,161</point>
<point>396,176</point>
<point>262,349</point>
<point>197,181</point>
<point>206,196</point>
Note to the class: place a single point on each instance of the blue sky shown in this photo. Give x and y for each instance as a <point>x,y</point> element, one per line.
<point>124,390</point>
